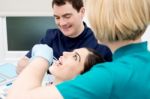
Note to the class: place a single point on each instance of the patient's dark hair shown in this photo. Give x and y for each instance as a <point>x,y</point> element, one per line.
<point>76,4</point>
<point>93,58</point>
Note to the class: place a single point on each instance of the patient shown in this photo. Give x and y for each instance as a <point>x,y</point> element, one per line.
<point>74,63</point>
<point>68,66</point>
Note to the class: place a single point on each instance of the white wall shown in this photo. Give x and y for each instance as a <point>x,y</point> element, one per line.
<point>1,40</point>
<point>146,36</point>
<point>25,7</point>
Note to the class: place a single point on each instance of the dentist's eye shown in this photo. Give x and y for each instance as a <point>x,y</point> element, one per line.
<point>67,16</point>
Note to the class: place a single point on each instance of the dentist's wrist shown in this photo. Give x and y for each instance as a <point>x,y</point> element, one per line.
<point>44,51</point>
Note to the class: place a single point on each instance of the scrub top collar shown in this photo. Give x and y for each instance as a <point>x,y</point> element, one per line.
<point>129,49</point>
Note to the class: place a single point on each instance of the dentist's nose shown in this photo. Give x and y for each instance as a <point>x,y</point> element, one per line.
<point>62,22</point>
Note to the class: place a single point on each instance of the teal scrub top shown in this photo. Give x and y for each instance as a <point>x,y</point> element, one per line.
<point>127,77</point>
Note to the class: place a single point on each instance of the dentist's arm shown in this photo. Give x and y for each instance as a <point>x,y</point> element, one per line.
<point>28,83</point>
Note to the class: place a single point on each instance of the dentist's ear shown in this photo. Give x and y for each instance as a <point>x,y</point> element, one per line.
<point>82,11</point>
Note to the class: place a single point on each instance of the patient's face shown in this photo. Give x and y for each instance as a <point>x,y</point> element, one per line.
<point>70,64</point>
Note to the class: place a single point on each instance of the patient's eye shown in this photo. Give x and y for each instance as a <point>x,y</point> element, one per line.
<point>75,57</point>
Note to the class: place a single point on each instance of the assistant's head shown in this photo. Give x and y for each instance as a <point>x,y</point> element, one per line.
<point>68,16</point>
<point>118,20</point>
<point>73,63</point>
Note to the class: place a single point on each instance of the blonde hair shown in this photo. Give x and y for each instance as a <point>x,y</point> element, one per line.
<point>117,20</point>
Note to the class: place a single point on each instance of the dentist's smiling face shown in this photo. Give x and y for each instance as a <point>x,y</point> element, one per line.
<point>68,19</point>
<point>70,64</point>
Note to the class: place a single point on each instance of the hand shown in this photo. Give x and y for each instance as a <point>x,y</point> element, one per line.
<point>43,50</point>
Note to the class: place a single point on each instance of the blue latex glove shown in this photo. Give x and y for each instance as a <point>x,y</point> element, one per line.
<point>44,51</point>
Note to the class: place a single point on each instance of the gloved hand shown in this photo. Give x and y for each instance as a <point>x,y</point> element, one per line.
<point>44,51</point>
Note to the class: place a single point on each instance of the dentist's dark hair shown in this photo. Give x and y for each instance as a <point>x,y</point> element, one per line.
<point>76,4</point>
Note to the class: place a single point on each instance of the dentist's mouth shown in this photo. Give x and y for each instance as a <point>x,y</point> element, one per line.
<point>66,28</point>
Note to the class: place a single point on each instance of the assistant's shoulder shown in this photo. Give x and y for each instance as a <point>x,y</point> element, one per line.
<point>99,83</point>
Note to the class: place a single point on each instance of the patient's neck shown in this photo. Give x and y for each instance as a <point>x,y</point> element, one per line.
<point>57,81</point>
